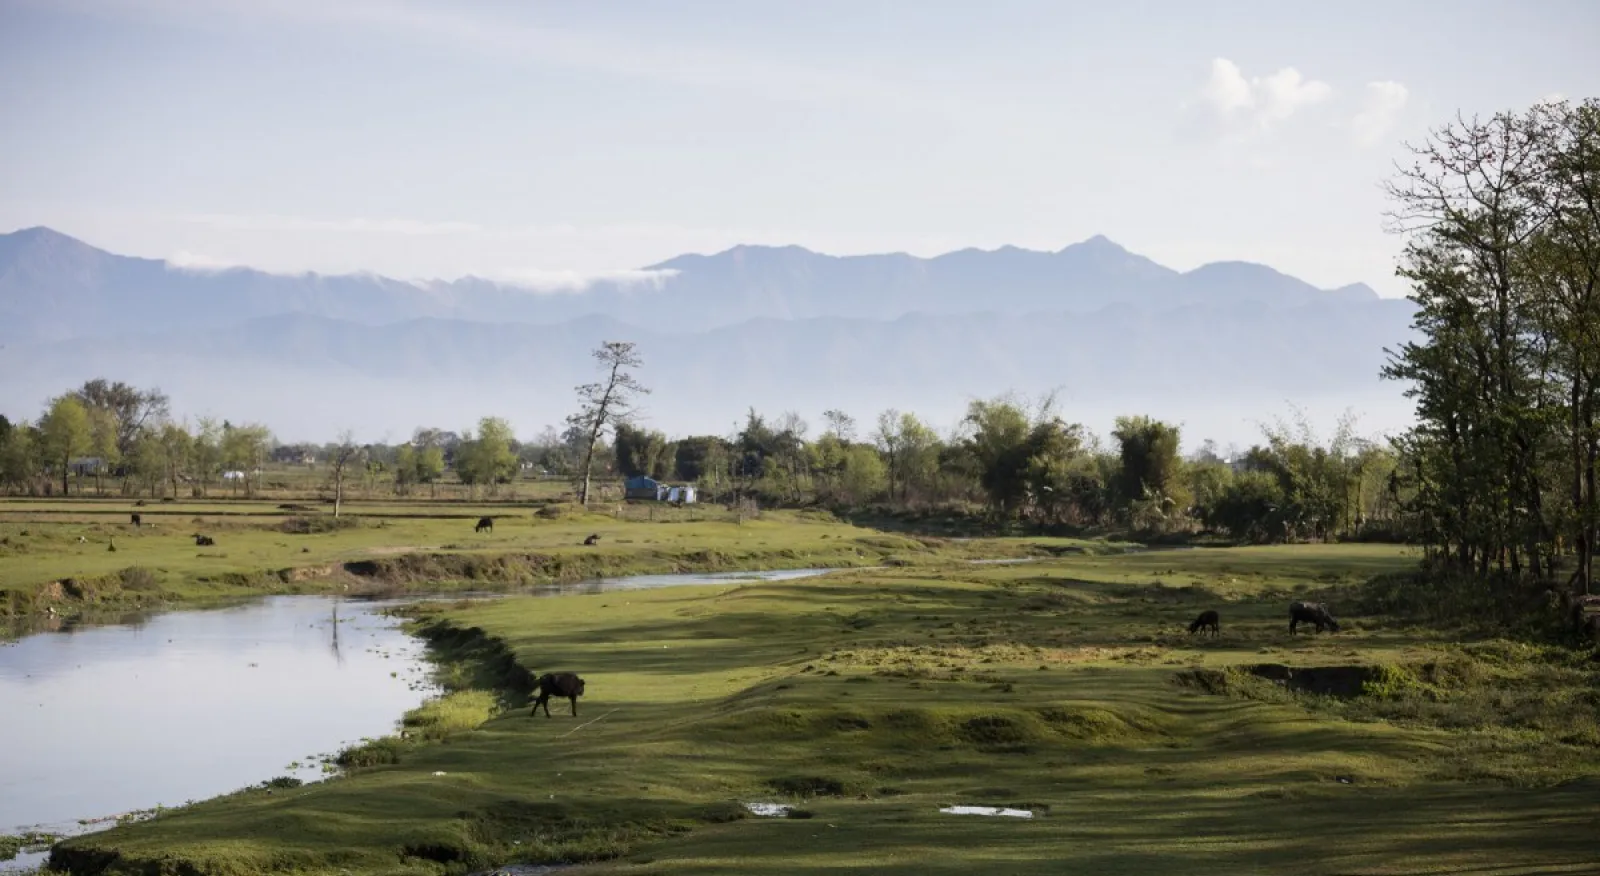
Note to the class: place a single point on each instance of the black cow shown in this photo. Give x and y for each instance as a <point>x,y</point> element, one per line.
<point>137,522</point>
<point>484,523</point>
<point>203,540</point>
<point>1208,619</point>
<point>561,684</point>
<point>592,540</point>
<point>1311,613</point>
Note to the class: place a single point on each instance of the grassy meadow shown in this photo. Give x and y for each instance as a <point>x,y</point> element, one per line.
<point>868,699</point>
<point>76,555</point>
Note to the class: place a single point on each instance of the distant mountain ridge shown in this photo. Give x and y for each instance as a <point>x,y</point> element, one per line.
<point>55,287</point>
<point>777,328</point>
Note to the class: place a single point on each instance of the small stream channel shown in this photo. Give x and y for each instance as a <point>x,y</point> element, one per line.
<point>107,716</point>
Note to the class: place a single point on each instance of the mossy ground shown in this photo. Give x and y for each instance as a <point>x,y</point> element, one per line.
<point>871,698</point>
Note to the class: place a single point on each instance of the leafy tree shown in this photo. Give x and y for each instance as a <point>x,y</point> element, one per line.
<point>64,434</point>
<point>405,468</point>
<point>488,459</point>
<point>129,409</point>
<point>103,444</point>
<point>606,403</point>
<point>1149,486</point>
<point>177,451</point>
<point>20,462</point>
<point>244,449</point>
<point>206,452</point>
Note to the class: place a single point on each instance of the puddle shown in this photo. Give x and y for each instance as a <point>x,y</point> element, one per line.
<point>986,810</point>
<point>1010,561</point>
<point>652,582</point>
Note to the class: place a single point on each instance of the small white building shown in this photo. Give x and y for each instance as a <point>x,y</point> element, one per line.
<point>683,495</point>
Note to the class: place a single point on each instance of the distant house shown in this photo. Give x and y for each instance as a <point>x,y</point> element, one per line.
<point>641,487</point>
<point>294,454</point>
<point>650,489</point>
<point>83,466</point>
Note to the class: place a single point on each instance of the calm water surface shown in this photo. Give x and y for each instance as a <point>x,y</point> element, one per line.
<point>186,705</point>
<point>98,719</point>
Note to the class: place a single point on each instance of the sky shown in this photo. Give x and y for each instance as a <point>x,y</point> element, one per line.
<point>529,139</point>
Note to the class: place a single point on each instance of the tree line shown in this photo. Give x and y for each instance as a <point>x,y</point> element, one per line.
<point>1010,460</point>
<point>1502,217</point>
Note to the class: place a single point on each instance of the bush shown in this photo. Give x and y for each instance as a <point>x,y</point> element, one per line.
<point>319,524</point>
<point>137,578</point>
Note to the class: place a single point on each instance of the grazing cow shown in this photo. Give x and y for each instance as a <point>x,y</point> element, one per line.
<point>204,540</point>
<point>1208,619</point>
<point>561,684</point>
<point>137,522</point>
<point>484,523</point>
<point>1311,613</point>
<point>592,540</point>
<point>139,504</point>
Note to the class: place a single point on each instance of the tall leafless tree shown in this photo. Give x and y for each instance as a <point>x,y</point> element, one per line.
<point>606,403</point>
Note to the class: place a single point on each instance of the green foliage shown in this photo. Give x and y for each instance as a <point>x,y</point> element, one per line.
<point>488,459</point>
<point>1504,464</point>
<point>64,433</point>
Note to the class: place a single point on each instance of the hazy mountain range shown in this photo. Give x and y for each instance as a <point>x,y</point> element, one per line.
<point>779,328</point>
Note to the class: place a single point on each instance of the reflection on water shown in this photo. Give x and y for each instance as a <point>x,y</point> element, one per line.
<point>108,713</point>
<point>186,705</point>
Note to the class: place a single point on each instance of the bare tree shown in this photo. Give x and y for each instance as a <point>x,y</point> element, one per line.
<point>344,454</point>
<point>604,404</point>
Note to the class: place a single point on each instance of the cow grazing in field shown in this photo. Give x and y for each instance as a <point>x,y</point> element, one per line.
<point>484,523</point>
<point>139,504</point>
<point>204,540</point>
<point>1208,620</point>
<point>592,540</point>
<point>1311,613</point>
<point>561,684</point>
<point>136,520</point>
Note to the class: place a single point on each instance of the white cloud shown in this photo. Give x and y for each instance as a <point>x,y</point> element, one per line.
<point>573,282</point>
<point>191,261</point>
<point>1259,102</point>
<point>1381,108</point>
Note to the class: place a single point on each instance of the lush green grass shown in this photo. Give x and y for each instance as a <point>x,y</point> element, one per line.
<point>886,694</point>
<point>54,559</point>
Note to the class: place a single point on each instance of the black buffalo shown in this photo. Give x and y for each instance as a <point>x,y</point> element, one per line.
<point>484,523</point>
<point>137,522</point>
<point>561,684</point>
<point>1311,613</point>
<point>204,540</point>
<point>1208,619</point>
<point>592,540</point>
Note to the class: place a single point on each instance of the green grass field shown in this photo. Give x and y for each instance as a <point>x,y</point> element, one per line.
<point>868,699</point>
<point>58,555</point>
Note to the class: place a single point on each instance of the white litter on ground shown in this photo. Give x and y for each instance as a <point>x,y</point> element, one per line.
<point>768,809</point>
<point>986,810</point>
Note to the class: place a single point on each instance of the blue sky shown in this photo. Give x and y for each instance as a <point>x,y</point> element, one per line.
<point>533,139</point>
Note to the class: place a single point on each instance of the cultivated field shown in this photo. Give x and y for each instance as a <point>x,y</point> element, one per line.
<point>868,699</point>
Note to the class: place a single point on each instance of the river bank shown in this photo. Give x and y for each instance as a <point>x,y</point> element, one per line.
<point>875,703</point>
<point>48,572</point>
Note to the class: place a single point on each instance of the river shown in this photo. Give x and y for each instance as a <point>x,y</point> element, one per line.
<point>100,719</point>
